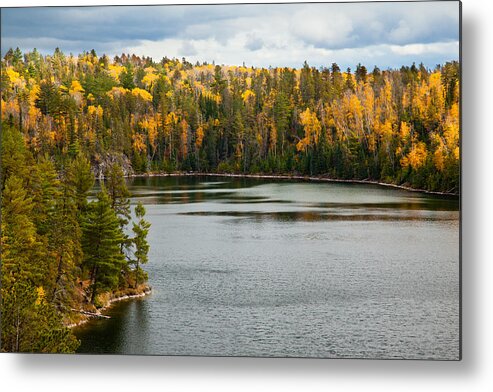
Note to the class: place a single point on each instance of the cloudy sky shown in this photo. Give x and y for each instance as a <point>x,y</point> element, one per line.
<point>262,35</point>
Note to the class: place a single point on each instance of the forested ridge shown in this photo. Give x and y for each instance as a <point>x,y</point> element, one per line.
<point>68,119</point>
<point>65,251</point>
<point>394,126</point>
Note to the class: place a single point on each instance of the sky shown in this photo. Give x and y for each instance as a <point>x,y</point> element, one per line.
<point>387,35</point>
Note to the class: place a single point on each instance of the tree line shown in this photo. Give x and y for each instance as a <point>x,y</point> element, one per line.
<point>61,245</point>
<point>398,126</point>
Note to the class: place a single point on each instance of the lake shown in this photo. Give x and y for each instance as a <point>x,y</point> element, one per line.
<point>275,268</point>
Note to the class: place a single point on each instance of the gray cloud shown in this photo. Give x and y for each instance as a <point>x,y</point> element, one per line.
<point>254,43</point>
<point>188,49</point>
<point>254,32</point>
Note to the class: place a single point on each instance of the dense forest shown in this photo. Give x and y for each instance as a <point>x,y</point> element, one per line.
<point>65,251</point>
<point>394,126</point>
<point>67,120</point>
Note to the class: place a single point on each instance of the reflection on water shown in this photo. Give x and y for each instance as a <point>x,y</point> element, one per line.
<point>279,268</point>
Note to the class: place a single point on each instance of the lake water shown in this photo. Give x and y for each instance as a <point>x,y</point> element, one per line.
<point>247,267</point>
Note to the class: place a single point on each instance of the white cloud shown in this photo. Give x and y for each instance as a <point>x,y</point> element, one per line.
<point>431,48</point>
<point>322,28</point>
<point>386,34</point>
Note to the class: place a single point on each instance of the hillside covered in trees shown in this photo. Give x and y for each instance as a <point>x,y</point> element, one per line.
<point>394,126</point>
<point>64,251</point>
<point>69,119</point>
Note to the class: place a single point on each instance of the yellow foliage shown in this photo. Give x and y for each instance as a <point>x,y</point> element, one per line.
<point>93,110</point>
<point>15,78</point>
<point>139,142</point>
<point>259,138</point>
<point>33,94</point>
<point>10,107</point>
<point>369,101</point>
<point>138,92</point>
<point>171,118</point>
<point>149,79</point>
<point>301,145</point>
<point>416,157</point>
<point>13,75</point>
<point>438,156</point>
<point>248,95</point>
<point>451,127</point>
<point>150,70</point>
<point>436,80</point>
<point>312,127</point>
<point>52,136</point>
<point>114,92</point>
<point>3,107</point>
<point>386,129</point>
<point>76,87</point>
<point>41,295</point>
<point>405,130</point>
<point>199,136</point>
<point>355,108</point>
<point>115,70</point>
<point>33,115</point>
<point>150,125</point>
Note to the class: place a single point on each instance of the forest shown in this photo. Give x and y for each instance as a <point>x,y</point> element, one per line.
<point>68,121</point>
<point>392,126</point>
<point>64,250</point>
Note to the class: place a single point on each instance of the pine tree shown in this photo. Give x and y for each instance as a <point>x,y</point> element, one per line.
<point>118,192</point>
<point>80,177</point>
<point>141,230</point>
<point>64,239</point>
<point>31,324</point>
<point>102,238</point>
<point>23,256</point>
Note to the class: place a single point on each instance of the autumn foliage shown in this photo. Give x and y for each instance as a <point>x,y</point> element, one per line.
<point>397,126</point>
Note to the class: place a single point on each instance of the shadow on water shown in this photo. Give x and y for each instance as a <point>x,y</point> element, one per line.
<point>284,268</point>
<point>106,336</point>
<point>314,216</point>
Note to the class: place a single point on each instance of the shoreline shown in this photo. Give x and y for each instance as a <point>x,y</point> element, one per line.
<point>147,290</point>
<point>294,177</point>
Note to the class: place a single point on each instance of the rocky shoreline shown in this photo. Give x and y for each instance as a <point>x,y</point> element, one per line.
<point>125,295</point>
<point>293,177</point>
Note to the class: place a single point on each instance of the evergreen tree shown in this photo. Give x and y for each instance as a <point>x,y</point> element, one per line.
<point>118,192</point>
<point>140,230</point>
<point>23,256</point>
<point>102,238</point>
<point>80,177</point>
<point>64,236</point>
<point>31,324</point>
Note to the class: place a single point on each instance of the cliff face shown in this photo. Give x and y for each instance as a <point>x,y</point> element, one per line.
<point>101,162</point>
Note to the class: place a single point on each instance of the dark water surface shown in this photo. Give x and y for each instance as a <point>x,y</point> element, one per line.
<point>276,268</point>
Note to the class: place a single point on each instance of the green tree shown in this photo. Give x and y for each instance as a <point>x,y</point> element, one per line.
<point>102,239</point>
<point>64,235</point>
<point>23,256</point>
<point>140,230</point>
<point>80,177</point>
<point>15,158</point>
<point>118,192</point>
<point>32,324</point>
